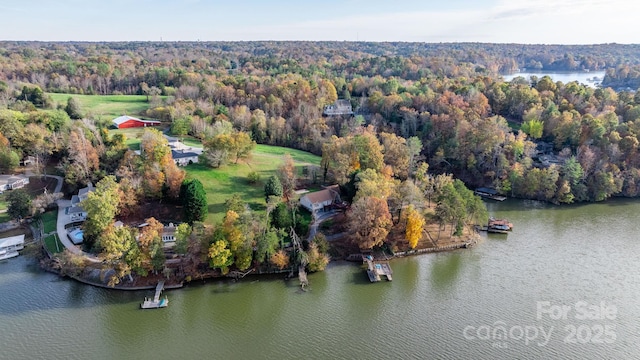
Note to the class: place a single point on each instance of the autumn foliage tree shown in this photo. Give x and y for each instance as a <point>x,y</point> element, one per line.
<point>220,256</point>
<point>415,225</point>
<point>280,259</point>
<point>101,206</point>
<point>287,175</point>
<point>369,222</point>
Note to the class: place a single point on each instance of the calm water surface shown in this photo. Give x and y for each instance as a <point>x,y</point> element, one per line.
<point>563,255</point>
<point>581,77</point>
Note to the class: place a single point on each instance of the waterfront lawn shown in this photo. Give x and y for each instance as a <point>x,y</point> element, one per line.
<point>49,221</point>
<point>220,184</point>
<point>106,106</point>
<point>3,202</point>
<point>52,244</point>
<point>4,217</point>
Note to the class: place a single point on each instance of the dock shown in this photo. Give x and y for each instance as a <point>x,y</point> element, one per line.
<point>488,193</point>
<point>376,269</point>
<point>156,302</point>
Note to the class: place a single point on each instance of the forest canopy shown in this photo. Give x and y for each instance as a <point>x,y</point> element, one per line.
<point>445,103</point>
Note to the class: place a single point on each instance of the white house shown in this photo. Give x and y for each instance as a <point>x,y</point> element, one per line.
<point>183,158</point>
<point>84,192</point>
<point>169,233</point>
<point>76,213</point>
<point>317,201</point>
<point>10,182</point>
<point>340,107</point>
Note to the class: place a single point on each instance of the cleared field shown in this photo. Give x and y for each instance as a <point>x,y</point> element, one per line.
<point>49,220</point>
<point>3,202</point>
<point>220,184</point>
<point>52,244</point>
<point>106,106</point>
<point>133,136</point>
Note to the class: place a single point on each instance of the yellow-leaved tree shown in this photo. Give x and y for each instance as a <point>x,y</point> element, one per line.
<point>415,224</point>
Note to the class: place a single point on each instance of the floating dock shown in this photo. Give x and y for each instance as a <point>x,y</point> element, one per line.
<point>376,270</point>
<point>489,193</point>
<point>156,302</point>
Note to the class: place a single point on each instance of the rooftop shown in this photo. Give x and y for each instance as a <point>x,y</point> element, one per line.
<point>179,154</point>
<point>124,118</point>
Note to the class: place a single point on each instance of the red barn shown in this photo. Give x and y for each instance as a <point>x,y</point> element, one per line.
<point>125,121</point>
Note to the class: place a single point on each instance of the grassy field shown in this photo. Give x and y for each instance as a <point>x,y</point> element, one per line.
<point>3,202</point>
<point>193,142</point>
<point>52,243</point>
<point>107,106</point>
<point>221,183</point>
<point>133,136</point>
<point>49,220</point>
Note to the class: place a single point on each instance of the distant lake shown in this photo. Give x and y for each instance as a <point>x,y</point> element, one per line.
<point>592,78</point>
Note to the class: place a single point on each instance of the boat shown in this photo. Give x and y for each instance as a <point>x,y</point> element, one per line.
<point>501,226</point>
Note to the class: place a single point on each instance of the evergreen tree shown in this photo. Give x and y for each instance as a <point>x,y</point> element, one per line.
<point>194,199</point>
<point>73,108</point>
<point>273,187</point>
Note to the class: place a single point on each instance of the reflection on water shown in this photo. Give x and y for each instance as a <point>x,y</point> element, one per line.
<point>445,270</point>
<point>588,78</point>
<point>561,254</point>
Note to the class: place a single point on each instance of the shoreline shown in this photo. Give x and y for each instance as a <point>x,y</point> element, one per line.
<point>468,243</point>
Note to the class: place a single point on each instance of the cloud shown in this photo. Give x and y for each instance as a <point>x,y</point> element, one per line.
<point>516,21</point>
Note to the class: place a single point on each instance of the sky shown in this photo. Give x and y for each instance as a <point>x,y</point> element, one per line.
<point>498,21</point>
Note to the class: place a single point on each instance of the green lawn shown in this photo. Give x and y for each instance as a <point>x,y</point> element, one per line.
<point>52,244</point>
<point>107,106</point>
<point>3,202</point>
<point>4,217</point>
<point>193,142</point>
<point>49,220</point>
<point>133,136</point>
<point>221,183</point>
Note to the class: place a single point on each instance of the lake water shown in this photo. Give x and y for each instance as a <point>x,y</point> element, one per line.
<point>559,260</point>
<point>582,77</point>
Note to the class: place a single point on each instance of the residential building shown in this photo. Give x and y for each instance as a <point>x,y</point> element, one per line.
<point>340,107</point>
<point>321,200</point>
<point>183,158</point>
<point>11,182</point>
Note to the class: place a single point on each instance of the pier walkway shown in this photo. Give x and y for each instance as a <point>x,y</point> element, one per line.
<point>375,270</point>
<point>156,302</point>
